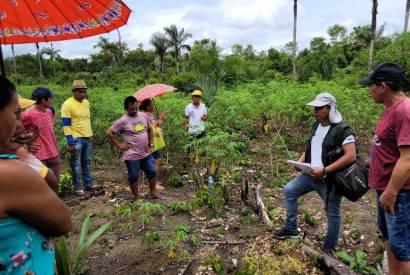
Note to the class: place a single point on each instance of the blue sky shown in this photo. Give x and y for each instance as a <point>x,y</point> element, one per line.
<point>262,23</point>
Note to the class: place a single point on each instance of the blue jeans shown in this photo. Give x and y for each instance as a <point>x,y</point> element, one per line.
<point>396,228</point>
<point>304,184</point>
<point>157,154</point>
<point>146,164</point>
<point>81,161</point>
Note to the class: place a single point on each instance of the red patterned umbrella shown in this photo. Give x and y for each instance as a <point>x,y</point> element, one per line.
<point>153,90</point>
<point>23,21</point>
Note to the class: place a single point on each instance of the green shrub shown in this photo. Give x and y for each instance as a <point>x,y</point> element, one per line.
<point>216,263</point>
<point>357,262</point>
<point>66,186</point>
<point>309,218</point>
<point>180,207</point>
<point>175,180</point>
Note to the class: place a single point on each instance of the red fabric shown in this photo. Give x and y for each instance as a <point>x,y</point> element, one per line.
<point>32,118</point>
<point>32,21</point>
<point>392,132</point>
<point>153,90</point>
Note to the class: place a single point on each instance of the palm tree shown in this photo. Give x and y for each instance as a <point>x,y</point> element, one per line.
<point>160,43</point>
<point>113,50</point>
<point>406,17</point>
<point>52,54</point>
<point>176,39</point>
<point>295,16</point>
<point>372,33</point>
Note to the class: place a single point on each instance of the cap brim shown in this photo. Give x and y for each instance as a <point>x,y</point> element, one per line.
<point>25,103</point>
<point>317,103</point>
<point>56,95</point>
<point>366,81</point>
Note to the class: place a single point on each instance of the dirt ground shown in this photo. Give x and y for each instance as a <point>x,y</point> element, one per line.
<point>229,236</point>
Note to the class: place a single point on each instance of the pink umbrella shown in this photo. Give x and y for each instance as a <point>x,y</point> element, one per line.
<point>153,90</point>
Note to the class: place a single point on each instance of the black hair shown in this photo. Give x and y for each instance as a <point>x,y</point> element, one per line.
<point>129,100</point>
<point>398,85</point>
<point>395,86</point>
<point>144,105</point>
<point>7,91</point>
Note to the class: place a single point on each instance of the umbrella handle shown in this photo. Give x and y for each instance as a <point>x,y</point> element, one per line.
<point>155,105</point>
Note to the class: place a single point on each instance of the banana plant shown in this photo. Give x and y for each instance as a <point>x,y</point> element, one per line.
<point>69,259</point>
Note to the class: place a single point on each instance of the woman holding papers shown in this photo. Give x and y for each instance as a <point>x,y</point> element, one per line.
<point>322,140</point>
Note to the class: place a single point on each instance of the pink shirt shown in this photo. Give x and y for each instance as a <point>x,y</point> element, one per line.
<point>33,118</point>
<point>392,132</point>
<point>135,133</point>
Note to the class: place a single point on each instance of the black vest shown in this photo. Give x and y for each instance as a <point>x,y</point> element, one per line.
<point>329,143</point>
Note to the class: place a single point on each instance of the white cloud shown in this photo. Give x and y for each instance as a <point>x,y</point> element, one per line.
<point>228,21</point>
<point>262,23</point>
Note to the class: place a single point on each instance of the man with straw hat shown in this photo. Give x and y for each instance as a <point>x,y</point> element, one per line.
<point>76,119</point>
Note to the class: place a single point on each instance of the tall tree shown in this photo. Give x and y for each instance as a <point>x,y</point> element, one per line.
<point>406,16</point>
<point>295,16</point>
<point>14,61</point>
<point>52,54</point>
<point>176,39</point>
<point>39,58</point>
<point>115,51</point>
<point>160,43</point>
<point>372,33</point>
<point>336,33</point>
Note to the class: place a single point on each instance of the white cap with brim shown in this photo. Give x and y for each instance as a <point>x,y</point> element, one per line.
<point>324,99</point>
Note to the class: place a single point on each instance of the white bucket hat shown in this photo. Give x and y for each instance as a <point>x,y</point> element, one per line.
<point>324,99</point>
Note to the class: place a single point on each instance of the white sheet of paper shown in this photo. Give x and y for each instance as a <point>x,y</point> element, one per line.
<point>305,167</point>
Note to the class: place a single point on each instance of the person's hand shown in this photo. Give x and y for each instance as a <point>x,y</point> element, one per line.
<point>160,122</point>
<point>33,148</point>
<point>71,148</point>
<point>387,201</point>
<point>124,146</point>
<point>161,116</point>
<point>22,137</point>
<point>203,118</point>
<point>148,150</point>
<point>317,173</point>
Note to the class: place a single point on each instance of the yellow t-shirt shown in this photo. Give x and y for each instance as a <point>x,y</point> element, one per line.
<point>76,118</point>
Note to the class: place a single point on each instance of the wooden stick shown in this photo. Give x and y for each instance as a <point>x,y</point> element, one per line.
<point>185,268</point>
<point>225,242</point>
<point>332,265</point>
<point>260,205</point>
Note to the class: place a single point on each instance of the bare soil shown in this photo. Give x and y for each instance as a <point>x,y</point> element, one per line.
<point>120,252</point>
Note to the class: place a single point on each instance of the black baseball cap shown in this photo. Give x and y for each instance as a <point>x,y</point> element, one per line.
<point>43,92</point>
<point>384,72</point>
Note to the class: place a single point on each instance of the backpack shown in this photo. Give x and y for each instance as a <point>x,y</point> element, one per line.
<point>352,181</point>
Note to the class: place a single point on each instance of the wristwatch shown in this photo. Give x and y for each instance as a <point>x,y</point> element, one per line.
<point>151,145</point>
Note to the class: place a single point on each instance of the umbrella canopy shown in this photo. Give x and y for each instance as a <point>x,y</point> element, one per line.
<point>153,90</point>
<point>23,21</point>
